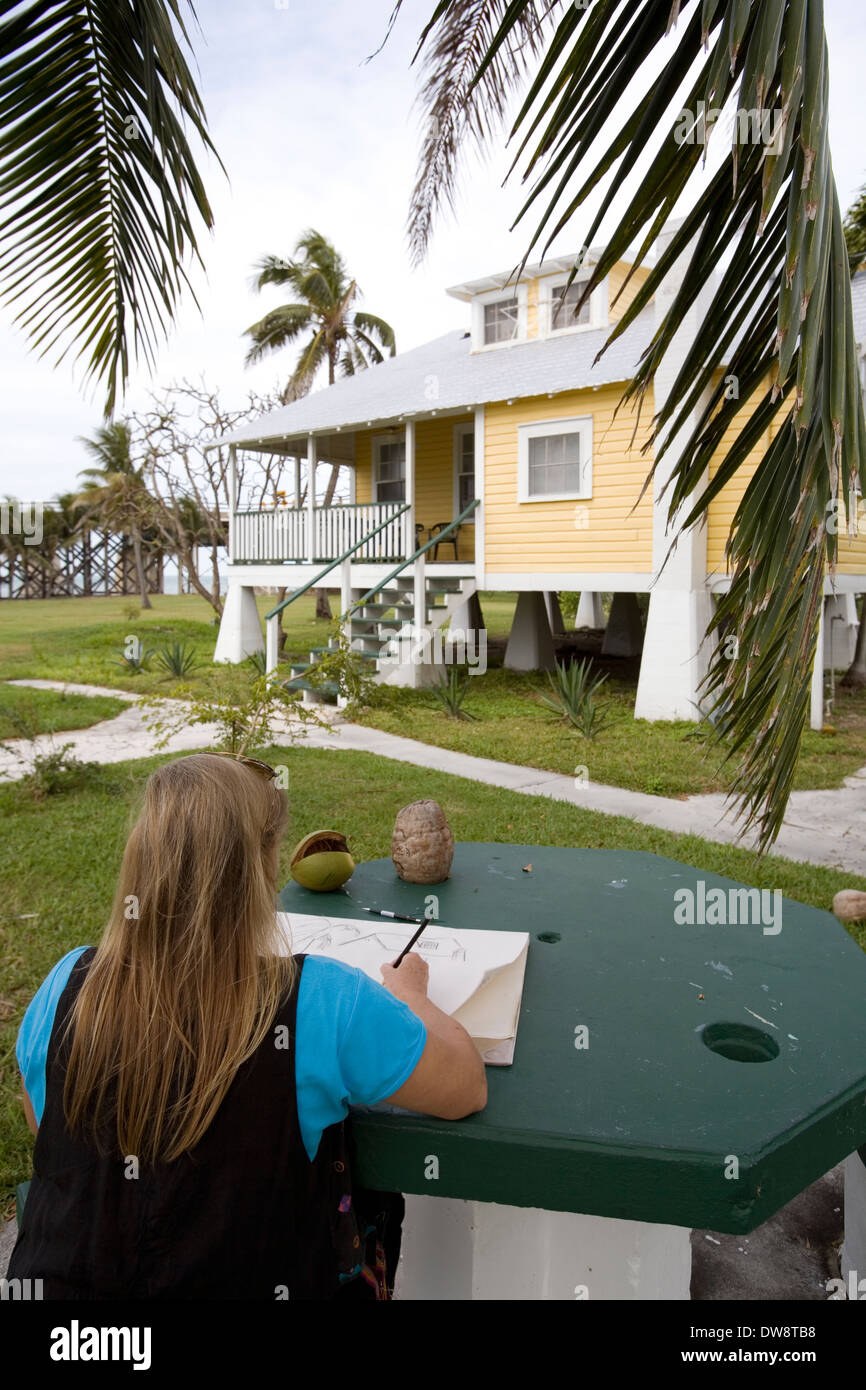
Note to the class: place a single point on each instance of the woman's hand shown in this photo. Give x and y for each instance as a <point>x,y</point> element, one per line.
<point>409,980</point>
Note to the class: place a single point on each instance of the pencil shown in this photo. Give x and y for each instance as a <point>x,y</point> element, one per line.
<point>408,948</point>
<point>421,923</point>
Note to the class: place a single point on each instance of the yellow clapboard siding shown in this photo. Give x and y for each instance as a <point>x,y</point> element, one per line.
<point>852,550</point>
<point>524,537</point>
<point>616,277</point>
<point>363,468</point>
<point>434,477</point>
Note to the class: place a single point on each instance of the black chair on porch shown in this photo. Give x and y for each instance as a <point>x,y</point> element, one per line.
<point>452,539</point>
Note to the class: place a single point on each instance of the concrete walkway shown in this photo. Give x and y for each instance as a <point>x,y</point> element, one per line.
<point>820,827</point>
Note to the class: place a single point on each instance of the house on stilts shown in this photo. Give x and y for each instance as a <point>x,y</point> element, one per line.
<point>494,458</point>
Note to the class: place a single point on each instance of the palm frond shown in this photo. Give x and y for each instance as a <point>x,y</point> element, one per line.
<point>468,80</point>
<point>766,235</point>
<point>276,330</point>
<point>373,327</point>
<point>100,196</point>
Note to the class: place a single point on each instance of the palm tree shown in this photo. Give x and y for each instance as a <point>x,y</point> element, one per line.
<point>115,491</point>
<point>98,185</point>
<point>337,334</point>
<point>781,316</point>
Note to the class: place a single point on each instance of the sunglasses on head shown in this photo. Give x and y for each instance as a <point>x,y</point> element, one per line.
<point>255,763</point>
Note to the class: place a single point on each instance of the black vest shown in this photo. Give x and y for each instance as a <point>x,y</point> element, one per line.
<point>245,1215</point>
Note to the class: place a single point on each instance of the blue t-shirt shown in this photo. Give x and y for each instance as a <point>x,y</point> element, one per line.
<point>356,1043</point>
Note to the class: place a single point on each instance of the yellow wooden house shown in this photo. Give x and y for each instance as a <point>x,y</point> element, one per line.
<point>494,458</point>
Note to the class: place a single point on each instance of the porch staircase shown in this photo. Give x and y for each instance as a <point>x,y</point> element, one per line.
<point>384,613</point>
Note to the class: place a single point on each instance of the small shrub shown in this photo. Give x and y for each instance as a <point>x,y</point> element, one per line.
<point>259,663</point>
<point>342,666</point>
<point>51,769</point>
<point>56,771</point>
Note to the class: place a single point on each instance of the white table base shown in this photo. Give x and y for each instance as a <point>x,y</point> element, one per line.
<point>458,1250</point>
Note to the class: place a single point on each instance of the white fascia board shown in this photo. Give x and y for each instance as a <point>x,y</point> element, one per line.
<point>505,278</point>
<point>572,582</point>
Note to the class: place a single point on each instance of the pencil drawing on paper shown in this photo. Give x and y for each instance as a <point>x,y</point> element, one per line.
<point>333,934</point>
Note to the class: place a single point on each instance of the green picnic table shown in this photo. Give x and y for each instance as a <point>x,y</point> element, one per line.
<point>673,1069</point>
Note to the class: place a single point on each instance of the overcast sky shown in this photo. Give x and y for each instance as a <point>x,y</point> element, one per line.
<point>311,136</point>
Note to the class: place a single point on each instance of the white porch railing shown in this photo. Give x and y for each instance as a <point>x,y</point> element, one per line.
<point>283,535</point>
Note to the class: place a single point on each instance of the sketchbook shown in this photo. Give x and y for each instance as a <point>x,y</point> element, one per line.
<point>475,976</point>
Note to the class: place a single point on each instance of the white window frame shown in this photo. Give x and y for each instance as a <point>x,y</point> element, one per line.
<point>598,305</point>
<point>480,301</point>
<point>459,432</point>
<point>581,425</point>
<point>374,458</point>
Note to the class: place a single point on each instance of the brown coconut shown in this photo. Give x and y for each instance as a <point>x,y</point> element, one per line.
<point>422,846</point>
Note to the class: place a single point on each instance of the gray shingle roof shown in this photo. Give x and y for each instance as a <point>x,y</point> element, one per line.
<point>444,375</point>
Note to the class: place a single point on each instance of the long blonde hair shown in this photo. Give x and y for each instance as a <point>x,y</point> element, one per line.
<point>188,976</point>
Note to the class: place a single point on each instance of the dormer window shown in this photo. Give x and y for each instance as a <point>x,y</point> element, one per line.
<point>501,321</point>
<point>563,302</point>
<point>558,301</point>
<point>499,318</point>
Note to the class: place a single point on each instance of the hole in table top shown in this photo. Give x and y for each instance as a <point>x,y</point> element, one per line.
<point>740,1042</point>
<point>550,937</point>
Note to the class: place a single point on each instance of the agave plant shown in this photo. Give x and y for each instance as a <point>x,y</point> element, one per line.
<point>177,659</point>
<point>780,320</point>
<point>136,659</point>
<point>452,691</point>
<point>574,689</point>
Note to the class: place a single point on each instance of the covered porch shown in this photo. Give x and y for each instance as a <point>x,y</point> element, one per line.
<point>408,480</point>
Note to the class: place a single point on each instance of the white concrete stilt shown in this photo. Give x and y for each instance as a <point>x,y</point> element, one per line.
<point>853,1253</point>
<point>240,631</point>
<point>675,654</point>
<point>674,658</point>
<point>623,635</point>
<point>467,618</point>
<point>530,644</point>
<point>816,712</point>
<point>456,1250</point>
<point>554,614</point>
<point>590,611</point>
<point>840,631</point>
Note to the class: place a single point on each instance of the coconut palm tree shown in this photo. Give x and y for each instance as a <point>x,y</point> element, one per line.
<point>115,493</point>
<point>99,192</point>
<point>780,318</point>
<point>337,334</point>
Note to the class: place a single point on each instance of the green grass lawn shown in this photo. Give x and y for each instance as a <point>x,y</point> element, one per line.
<point>24,712</point>
<point>667,759</point>
<point>80,640</point>
<point>58,871</point>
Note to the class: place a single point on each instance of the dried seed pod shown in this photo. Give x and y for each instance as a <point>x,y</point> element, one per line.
<point>422,847</point>
<point>850,905</point>
<point>322,861</point>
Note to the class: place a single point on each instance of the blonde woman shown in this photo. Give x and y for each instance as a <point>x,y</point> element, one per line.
<point>188,1084</point>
